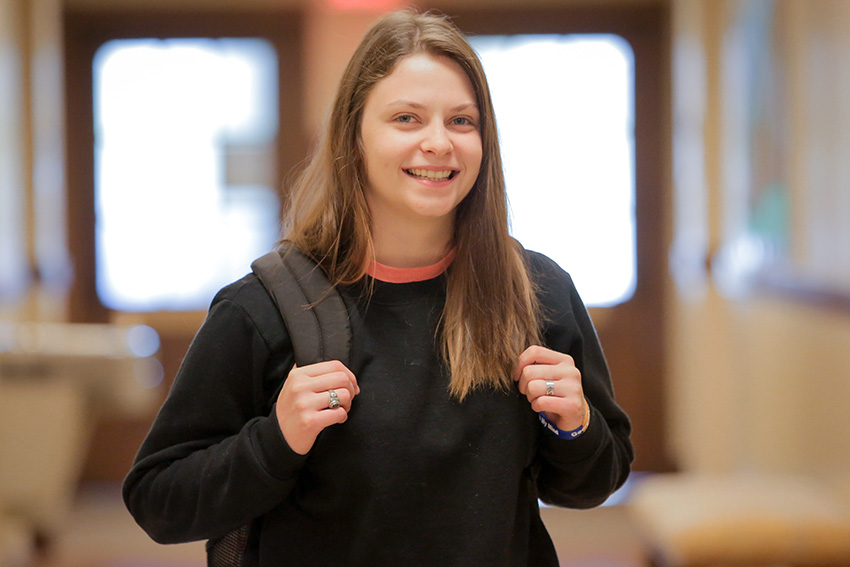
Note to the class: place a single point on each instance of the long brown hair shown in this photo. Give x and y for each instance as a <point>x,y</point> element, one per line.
<point>491,313</point>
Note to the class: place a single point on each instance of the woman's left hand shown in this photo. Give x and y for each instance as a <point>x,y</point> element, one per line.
<point>540,369</point>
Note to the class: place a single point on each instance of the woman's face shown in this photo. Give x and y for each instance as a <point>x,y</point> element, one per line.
<point>421,141</point>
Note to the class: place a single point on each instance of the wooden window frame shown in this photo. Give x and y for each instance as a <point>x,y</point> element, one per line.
<point>85,33</point>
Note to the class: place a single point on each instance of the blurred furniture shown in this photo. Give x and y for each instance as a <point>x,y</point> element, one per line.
<point>55,379</point>
<point>689,520</point>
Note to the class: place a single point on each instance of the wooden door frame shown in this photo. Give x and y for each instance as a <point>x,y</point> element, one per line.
<point>85,33</point>
<point>647,30</point>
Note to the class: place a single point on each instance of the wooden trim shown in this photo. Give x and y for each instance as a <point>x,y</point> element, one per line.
<point>83,304</point>
<point>618,19</point>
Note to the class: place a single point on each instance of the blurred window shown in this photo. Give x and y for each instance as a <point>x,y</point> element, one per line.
<point>185,133</point>
<point>565,111</point>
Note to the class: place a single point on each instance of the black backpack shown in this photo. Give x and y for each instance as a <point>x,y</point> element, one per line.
<point>317,322</point>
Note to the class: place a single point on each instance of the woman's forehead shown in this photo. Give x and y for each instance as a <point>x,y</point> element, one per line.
<point>423,75</point>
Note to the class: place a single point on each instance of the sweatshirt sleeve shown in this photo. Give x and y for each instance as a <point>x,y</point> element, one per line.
<point>581,472</point>
<point>215,457</point>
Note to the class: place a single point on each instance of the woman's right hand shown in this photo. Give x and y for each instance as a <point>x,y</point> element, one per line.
<point>304,405</point>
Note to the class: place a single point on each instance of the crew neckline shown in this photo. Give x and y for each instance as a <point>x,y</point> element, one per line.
<point>390,274</point>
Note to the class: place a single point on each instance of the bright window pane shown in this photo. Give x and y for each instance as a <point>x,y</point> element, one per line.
<point>184,134</point>
<point>565,110</point>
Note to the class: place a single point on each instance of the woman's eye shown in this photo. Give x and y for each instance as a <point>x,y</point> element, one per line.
<point>462,121</point>
<point>404,118</point>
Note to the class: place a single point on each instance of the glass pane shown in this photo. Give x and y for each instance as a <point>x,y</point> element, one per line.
<point>13,246</point>
<point>565,109</point>
<point>184,137</point>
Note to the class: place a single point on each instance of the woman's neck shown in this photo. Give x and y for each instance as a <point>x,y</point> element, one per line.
<point>411,246</point>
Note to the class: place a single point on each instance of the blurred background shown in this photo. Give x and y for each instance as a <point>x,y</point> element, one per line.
<point>688,161</point>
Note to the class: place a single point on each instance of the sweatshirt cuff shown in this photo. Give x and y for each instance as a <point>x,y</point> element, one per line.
<point>584,446</point>
<point>273,452</point>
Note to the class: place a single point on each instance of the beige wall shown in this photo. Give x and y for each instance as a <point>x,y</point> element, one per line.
<point>32,190</point>
<point>759,381</point>
<point>47,139</point>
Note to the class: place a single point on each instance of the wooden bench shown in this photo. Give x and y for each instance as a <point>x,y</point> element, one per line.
<point>688,520</point>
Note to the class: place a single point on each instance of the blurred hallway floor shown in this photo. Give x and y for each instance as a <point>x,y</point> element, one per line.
<point>101,533</point>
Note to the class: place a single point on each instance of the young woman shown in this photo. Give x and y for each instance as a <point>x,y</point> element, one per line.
<point>476,383</point>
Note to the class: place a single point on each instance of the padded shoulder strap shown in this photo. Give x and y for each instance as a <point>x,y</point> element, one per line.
<point>314,313</point>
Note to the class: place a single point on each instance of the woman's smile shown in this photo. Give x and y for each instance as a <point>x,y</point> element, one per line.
<point>431,174</point>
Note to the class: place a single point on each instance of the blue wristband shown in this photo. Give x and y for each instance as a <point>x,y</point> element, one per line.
<point>551,427</point>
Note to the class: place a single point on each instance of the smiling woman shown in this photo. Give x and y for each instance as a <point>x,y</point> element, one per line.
<point>475,385</point>
<point>422,151</point>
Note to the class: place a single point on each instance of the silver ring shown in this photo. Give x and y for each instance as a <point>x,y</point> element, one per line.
<point>550,387</point>
<point>334,401</point>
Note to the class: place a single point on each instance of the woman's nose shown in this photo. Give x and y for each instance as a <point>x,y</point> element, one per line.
<point>436,140</point>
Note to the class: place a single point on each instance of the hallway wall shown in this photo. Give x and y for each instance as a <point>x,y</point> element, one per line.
<point>760,376</point>
<point>32,190</point>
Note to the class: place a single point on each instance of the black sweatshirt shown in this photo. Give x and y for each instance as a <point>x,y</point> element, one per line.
<point>412,478</point>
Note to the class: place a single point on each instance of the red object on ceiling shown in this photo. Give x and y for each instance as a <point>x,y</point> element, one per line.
<point>364,5</point>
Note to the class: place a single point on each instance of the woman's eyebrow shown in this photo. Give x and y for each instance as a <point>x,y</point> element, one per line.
<point>465,106</point>
<point>420,106</point>
<point>409,103</point>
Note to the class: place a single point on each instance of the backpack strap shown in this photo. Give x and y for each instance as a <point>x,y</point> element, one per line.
<point>317,321</point>
<point>312,309</point>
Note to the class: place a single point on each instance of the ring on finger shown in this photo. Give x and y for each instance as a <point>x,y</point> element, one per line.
<point>333,402</point>
<point>550,387</point>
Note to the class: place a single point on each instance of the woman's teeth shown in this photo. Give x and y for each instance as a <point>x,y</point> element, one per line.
<point>431,175</point>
